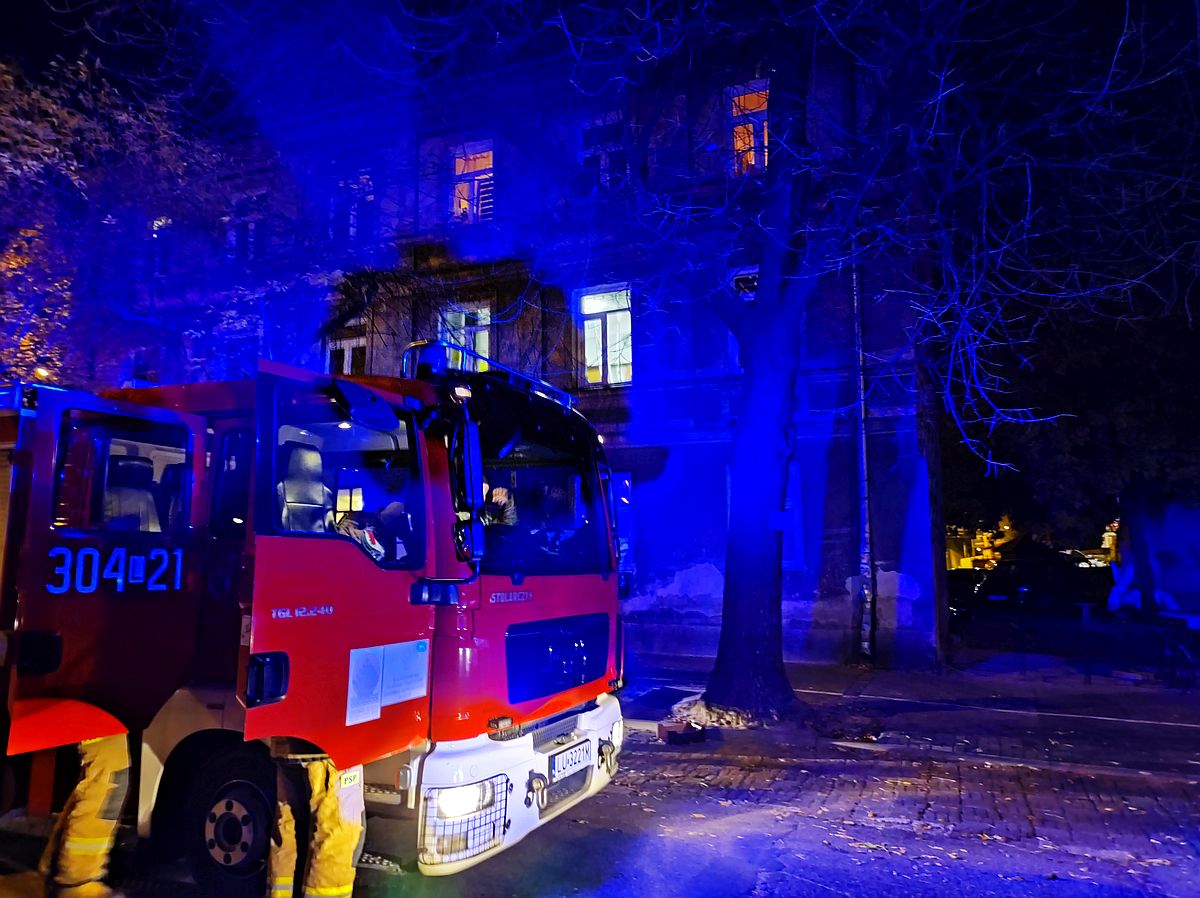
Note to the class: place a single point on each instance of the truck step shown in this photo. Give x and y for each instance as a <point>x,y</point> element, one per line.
<point>382,793</point>
<point>380,864</point>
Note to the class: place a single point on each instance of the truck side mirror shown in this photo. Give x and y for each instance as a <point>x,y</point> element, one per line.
<point>606,487</point>
<point>468,459</point>
<point>468,540</point>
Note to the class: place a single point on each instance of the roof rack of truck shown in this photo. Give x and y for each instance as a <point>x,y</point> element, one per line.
<point>428,359</point>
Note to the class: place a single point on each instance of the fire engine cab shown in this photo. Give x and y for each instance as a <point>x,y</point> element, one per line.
<point>413,573</point>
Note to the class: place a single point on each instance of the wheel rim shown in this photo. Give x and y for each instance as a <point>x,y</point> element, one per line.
<point>235,828</point>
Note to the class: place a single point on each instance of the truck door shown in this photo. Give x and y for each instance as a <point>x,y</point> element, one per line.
<point>541,636</point>
<point>339,652</point>
<point>12,519</point>
<point>107,584</point>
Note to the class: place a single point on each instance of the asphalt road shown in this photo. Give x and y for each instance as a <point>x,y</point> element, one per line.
<point>878,793</point>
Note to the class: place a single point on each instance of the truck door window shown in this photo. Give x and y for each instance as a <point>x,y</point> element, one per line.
<point>341,479</point>
<point>231,495</point>
<point>120,473</point>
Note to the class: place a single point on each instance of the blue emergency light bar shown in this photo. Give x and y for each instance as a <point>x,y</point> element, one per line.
<point>437,358</point>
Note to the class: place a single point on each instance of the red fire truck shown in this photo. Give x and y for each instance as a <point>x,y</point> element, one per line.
<point>413,573</point>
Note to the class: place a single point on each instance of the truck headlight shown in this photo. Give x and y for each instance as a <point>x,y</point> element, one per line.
<point>618,734</point>
<point>462,801</point>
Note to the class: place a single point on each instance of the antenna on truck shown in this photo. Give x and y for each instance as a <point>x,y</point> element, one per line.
<point>427,359</point>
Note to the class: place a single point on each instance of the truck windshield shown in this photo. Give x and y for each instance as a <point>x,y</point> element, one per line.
<point>542,513</point>
<point>341,479</point>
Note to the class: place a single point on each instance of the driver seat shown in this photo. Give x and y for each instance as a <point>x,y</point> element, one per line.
<point>305,502</point>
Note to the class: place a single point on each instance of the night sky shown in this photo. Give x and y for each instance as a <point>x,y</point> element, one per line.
<point>32,35</point>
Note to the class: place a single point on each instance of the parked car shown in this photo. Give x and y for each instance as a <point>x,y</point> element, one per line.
<point>961,592</point>
<point>1038,579</point>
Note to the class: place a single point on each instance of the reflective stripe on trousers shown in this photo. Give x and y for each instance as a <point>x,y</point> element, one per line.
<point>79,845</point>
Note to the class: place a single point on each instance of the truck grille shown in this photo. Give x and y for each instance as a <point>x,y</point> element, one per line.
<point>549,656</point>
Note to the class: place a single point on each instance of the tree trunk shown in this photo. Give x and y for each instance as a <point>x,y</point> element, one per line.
<point>749,675</point>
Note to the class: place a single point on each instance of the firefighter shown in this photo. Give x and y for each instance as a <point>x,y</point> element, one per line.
<point>76,857</point>
<point>498,507</point>
<point>336,814</point>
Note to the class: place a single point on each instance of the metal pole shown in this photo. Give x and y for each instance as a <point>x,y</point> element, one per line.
<point>866,548</point>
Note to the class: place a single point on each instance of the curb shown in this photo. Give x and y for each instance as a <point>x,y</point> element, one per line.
<point>892,753</point>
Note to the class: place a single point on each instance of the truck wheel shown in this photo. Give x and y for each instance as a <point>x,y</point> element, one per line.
<point>230,810</point>
<point>9,785</point>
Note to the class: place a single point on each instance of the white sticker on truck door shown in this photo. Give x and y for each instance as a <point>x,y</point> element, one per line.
<point>365,684</point>
<point>382,675</point>
<point>405,671</point>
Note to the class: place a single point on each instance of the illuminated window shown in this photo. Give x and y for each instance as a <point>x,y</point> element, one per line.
<point>604,151</point>
<point>467,326</point>
<point>472,196</point>
<point>748,124</point>
<point>607,336</point>
<point>348,349</point>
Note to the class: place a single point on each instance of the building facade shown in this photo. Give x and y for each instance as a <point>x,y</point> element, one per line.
<point>523,227</point>
<point>591,238</point>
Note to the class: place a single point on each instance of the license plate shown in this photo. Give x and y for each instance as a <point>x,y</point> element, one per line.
<point>570,760</point>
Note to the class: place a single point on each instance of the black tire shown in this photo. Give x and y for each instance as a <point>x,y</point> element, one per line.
<point>228,814</point>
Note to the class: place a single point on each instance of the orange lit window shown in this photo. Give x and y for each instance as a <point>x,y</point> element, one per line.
<point>471,199</point>
<point>748,123</point>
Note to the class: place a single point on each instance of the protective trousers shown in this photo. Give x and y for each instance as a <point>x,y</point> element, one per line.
<point>335,802</point>
<point>76,857</point>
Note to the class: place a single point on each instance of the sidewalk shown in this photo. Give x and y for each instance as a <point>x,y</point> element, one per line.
<point>881,825</point>
<point>1015,777</point>
<point>1044,714</point>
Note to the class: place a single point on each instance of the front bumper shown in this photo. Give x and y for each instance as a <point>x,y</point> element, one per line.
<point>516,776</point>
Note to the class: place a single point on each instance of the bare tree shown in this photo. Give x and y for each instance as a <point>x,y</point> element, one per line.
<point>990,166</point>
<point>994,165</point>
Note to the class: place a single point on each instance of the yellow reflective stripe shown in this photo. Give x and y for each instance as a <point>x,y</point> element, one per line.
<point>87,846</point>
<point>329,891</point>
